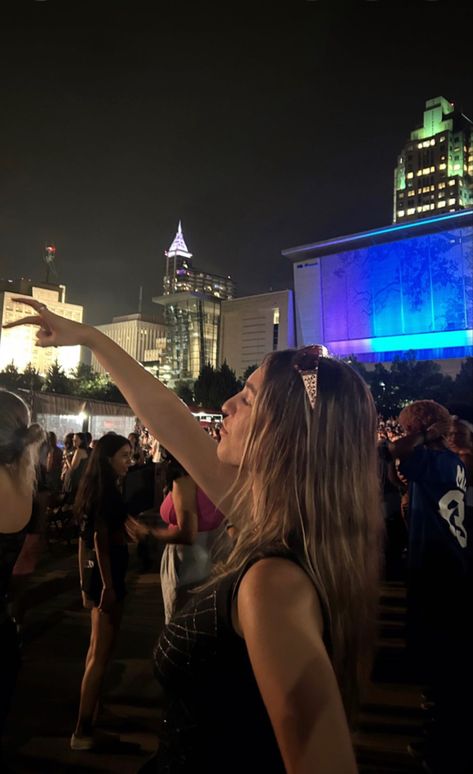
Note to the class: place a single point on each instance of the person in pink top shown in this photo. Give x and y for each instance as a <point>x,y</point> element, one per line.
<point>193,525</point>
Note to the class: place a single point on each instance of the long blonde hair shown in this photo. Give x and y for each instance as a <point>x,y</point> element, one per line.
<point>308,483</point>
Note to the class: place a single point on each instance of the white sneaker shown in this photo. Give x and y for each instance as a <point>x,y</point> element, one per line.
<point>79,743</point>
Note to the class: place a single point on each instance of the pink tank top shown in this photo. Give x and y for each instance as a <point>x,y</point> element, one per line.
<point>208,516</point>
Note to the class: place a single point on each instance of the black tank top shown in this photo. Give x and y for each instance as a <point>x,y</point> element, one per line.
<point>216,720</point>
<point>10,547</point>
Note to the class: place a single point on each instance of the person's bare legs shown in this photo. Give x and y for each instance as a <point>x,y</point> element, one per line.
<point>105,627</point>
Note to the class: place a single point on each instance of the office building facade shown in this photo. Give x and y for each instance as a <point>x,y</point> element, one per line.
<point>252,326</point>
<point>18,345</point>
<point>142,337</point>
<point>381,293</point>
<point>434,172</point>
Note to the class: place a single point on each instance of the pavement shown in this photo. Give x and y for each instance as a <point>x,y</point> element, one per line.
<point>56,631</point>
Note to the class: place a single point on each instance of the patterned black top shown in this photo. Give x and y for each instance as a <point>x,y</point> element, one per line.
<point>216,720</point>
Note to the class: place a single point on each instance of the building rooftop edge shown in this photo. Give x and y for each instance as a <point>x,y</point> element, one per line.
<point>396,230</point>
<point>257,295</point>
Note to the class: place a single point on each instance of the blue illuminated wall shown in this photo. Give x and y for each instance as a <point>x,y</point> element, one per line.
<point>379,300</point>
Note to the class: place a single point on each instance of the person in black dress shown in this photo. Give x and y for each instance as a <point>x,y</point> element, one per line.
<point>103,561</point>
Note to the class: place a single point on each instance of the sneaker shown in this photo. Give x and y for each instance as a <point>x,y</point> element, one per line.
<point>416,749</point>
<point>81,743</point>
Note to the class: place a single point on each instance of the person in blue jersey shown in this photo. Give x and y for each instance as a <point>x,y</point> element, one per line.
<point>438,582</point>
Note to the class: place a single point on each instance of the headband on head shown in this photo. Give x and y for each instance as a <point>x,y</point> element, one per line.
<point>307,365</point>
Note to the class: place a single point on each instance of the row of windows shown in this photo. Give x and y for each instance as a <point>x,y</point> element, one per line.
<point>426,208</point>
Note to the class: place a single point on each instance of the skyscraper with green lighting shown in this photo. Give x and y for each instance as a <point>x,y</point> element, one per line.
<point>434,172</point>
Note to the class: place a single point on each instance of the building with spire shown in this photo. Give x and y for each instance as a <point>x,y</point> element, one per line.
<point>192,307</point>
<point>434,172</point>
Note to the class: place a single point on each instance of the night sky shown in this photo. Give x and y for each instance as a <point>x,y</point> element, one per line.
<point>262,126</point>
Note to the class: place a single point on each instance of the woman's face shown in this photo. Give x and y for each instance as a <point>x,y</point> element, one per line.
<point>76,441</point>
<point>234,430</point>
<point>121,460</point>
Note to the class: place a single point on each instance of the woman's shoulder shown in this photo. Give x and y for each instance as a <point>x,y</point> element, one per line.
<point>278,587</point>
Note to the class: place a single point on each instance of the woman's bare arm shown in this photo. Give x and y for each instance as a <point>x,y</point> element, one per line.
<point>184,497</point>
<point>158,408</point>
<point>279,616</point>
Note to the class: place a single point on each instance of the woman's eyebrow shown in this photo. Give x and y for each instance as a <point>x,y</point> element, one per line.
<point>251,387</point>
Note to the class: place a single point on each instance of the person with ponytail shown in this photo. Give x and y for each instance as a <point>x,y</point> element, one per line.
<point>19,451</point>
<point>103,521</point>
<point>263,668</point>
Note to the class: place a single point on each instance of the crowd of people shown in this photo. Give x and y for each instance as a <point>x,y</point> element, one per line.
<point>282,620</point>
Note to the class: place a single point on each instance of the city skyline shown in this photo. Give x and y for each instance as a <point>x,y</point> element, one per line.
<point>258,135</point>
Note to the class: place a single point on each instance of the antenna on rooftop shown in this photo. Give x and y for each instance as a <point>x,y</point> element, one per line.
<point>140,299</point>
<point>49,256</point>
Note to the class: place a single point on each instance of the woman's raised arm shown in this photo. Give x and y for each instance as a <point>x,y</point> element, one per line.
<point>158,407</point>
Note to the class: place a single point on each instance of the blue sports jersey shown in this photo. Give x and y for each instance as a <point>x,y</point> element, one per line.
<point>438,531</point>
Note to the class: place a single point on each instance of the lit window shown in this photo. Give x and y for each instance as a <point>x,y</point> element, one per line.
<point>432,206</point>
<point>442,139</point>
<point>410,175</point>
<point>452,201</point>
<point>400,213</point>
<point>456,167</point>
<point>442,166</point>
<point>411,193</point>
<point>441,185</point>
<point>441,204</point>
<point>426,170</point>
<point>419,172</point>
<point>432,169</point>
<point>432,142</point>
<point>451,182</point>
<point>419,209</point>
<point>411,211</point>
<point>420,144</point>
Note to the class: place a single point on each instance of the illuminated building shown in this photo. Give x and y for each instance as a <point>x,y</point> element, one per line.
<point>17,345</point>
<point>192,305</point>
<point>383,292</point>
<point>144,338</point>
<point>434,172</point>
<point>252,326</point>
<point>181,277</point>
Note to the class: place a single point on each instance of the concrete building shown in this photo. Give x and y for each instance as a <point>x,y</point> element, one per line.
<point>381,293</point>
<point>144,338</point>
<point>252,326</point>
<point>17,345</point>
<point>434,172</point>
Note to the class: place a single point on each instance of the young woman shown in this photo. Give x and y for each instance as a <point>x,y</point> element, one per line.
<point>19,450</point>
<point>54,464</point>
<point>103,561</point>
<point>264,666</point>
<point>67,453</point>
<point>192,530</point>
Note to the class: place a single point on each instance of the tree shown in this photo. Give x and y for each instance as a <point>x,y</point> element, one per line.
<point>213,388</point>
<point>57,381</point>
<point>248,372</point>
<point>10,377</point>
<point>184,391</point>
<point>462,391</point>
<point>203,386</point>
<point>408,380</point>
<point>31,379</point>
